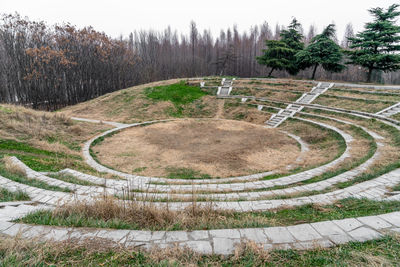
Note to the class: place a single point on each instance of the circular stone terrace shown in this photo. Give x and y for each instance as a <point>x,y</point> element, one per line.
<point>233,166</point>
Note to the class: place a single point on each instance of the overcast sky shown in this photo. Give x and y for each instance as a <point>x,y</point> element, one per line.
<point>118,17</point>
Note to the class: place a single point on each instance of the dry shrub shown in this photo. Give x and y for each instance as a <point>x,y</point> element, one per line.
<point>22,252</point>
<point>76,129</point>
<point>12,167</point>
<point>17,249</point>
<point>262,255</point>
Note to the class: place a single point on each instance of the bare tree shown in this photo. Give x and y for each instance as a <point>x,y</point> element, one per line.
<point>49,67</point>
<point>349,33</point>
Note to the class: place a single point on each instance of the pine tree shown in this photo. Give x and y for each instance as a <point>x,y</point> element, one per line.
<point>377,47</point>
<point>322,51</point>
<point>275,56</point>
<point>293,38</point>
<point>280,55</point>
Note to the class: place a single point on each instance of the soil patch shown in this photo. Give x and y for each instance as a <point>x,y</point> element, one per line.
<point>206,148</point>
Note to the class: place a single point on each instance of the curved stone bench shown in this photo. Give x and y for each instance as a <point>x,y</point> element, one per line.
<point>375,189</point>
<point>78,189</point>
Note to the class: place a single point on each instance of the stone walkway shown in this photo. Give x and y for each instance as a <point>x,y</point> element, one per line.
<point>242,194</point>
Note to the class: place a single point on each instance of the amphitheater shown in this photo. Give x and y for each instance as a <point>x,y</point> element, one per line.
<point>369,172</point>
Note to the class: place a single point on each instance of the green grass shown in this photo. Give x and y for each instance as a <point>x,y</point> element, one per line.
<point>12,145</point>
<point>332,134</point>
<point>71,145</point>
<point>185,173</point>
<point>382,252</point>
<point>396,116</point>
<point>31,182</point>
<point>396,188</point>
<point>71,179</point>
<point>6,110</point>
<point>331,173</point>
<point>347,208</point>
<point>374,173</point>
<point>39,159</point>
<point>180,94</point>
<point>6,196</point>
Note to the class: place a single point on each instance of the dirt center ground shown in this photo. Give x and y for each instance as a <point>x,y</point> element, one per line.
<point>215,148</point>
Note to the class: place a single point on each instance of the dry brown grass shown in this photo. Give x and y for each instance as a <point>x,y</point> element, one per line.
<point>236,111</point>
<point>367,89</point>
<point>19,121</point>
<point>11,167</point>
<point>45,130</point>
<point>218,148</point>
<point>141,214</point>
<point>277,95</point>
<point>19,252</point>
<point>131,105</point>
<point>348,104</point>
<point>220,109</point>
<point>388,152</point>
<point>365,96</point>
<point>322,147</point>
<point>286,84</point>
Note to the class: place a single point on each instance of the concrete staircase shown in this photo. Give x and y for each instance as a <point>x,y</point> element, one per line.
<point>292,109</point>
<point>387,112</point>
<point>226,87</point>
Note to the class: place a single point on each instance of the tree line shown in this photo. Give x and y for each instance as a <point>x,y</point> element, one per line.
<point>49,67</point>
<point>376,48</point>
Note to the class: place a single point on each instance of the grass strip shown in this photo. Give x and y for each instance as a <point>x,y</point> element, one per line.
<point>382,252</point>
<point>71,179</point>
<point>6,196</point>
<point>197,219</point>
<point>31,182</point>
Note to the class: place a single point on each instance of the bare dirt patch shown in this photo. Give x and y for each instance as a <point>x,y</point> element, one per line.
<point>217,148</point>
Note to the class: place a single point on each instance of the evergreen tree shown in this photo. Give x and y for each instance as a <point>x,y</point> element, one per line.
<point>275,56</point>
<point>280,55</point>
<point>293,38</point>
<point>377,47</point>
<point>322,51</point>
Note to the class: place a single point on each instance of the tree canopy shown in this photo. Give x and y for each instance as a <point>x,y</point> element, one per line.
<point>281,55</point>
<point>322,51</point>
<point>377,47</point>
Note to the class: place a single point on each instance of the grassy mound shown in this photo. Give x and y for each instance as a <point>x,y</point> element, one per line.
<point>157,100</point>
<point>44,141</point>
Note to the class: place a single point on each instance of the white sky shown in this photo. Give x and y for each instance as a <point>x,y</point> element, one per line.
<point>124,16</point>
